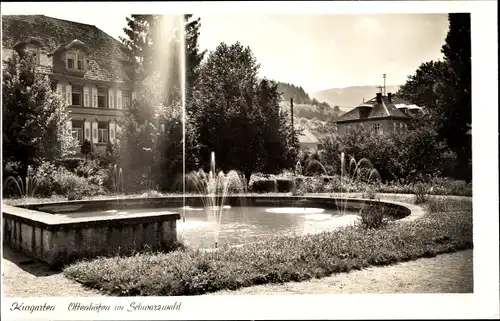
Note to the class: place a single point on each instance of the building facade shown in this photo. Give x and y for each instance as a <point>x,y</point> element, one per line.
<point>89,69</point>
<point>384,114</point>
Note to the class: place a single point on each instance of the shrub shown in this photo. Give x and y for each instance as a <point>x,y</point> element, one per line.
<point>284,185</point>
<point>71,164</point>
<point>420,193</point>
<point>373,217</point>
<point>263,185</point>
<point>369,193</point>
<point>298,181</point>
<point>87,168</point>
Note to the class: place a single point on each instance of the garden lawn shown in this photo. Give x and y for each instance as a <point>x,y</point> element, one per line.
<point>447,227</point>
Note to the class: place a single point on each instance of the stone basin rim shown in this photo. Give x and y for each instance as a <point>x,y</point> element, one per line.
<point>327,202</point>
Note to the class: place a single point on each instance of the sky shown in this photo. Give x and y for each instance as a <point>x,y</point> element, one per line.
<point>316,51</point>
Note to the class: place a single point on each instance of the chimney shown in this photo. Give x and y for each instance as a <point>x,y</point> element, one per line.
<point>389,97</point>
<point>379,98</point>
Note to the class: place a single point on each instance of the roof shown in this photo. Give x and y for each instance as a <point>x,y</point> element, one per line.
<point>307,137</point>
<point>108,59</point>
<point>385,109</point>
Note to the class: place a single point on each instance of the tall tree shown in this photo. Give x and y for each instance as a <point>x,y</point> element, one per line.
<point>238,116</point>
<point>145,37</point>
<point>456,112</point>
<point>154,132</point>
<point>444,87</point>
<point>34,116</point>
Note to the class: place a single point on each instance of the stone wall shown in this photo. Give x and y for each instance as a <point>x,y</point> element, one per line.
<point>57,240</point>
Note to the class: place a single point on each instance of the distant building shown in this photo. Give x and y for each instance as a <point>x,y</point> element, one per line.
<point>385,114</point>
<point>307,141</point>
<point>87,67</point>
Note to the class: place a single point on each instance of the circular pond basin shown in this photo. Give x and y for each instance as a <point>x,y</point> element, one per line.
<point>243,224</point>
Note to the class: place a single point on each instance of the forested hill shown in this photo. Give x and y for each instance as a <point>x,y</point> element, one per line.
<point>318,117</point>
<point>291,91</point>
<point>299,95</point>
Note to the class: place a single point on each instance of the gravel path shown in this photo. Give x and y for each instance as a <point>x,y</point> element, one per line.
<point>23,277</point>
<point>447,273</point>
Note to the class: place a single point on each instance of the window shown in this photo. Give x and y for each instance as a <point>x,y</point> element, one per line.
<point>80,63</point>
<point>102,98</point>
<point>126,99</point>
<point>102,133</point>
<point>378,128</point>
<point>395,126</point>
<point>71,57</point>
<point>401,126</point>
<point>77,130</point>
<point>76,95</point>
<point>75,60</point>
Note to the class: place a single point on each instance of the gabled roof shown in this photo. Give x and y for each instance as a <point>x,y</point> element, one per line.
<point>307,137</point>
<point>385,109</point>
<point>108,60</point>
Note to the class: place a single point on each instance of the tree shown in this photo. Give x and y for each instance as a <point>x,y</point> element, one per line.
<point>159,144</point>
<point>238,117</point>
<point>34,116</point>
<point>424,88</point>
<point>444,87</point>
<point>86,148</point>
<point>456,109</point>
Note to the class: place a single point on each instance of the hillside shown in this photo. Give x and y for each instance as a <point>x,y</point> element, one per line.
<point>320,121</point>
<point>349,97</point>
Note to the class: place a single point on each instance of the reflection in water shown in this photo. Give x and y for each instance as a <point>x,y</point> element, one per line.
<point>295,210</point>
<point>247,224</point>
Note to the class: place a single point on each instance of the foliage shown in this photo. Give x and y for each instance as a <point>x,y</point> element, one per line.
<point>54,180</point>
<point>373,217</point>
<point>278,259</point>
<point>262,185</point>
<point>34,116</point>
<point>151,144</point>
<point>86,148</point>
<point>334,184</point>
<point>444,87</point>
<point>284,185</point>
<point>238,117</point>
<point>405,156</point>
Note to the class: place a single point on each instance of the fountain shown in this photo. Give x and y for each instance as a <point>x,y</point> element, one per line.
<point>214,189</point>
<point>352,173</point>
<point>26,187</point>
<point>117,178</point>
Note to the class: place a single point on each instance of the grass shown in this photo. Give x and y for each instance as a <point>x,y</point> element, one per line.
<point>446,227</point>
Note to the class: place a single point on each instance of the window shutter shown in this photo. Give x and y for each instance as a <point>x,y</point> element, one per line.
<point>119,99</point>
<point>94,97</point>
<point>94,133</point>
<point>86,97</point>
<point>87,135</point>
<point>68,95</point>
<point>111,99</point>
<point>132,96</point>
<point>112,131</point>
